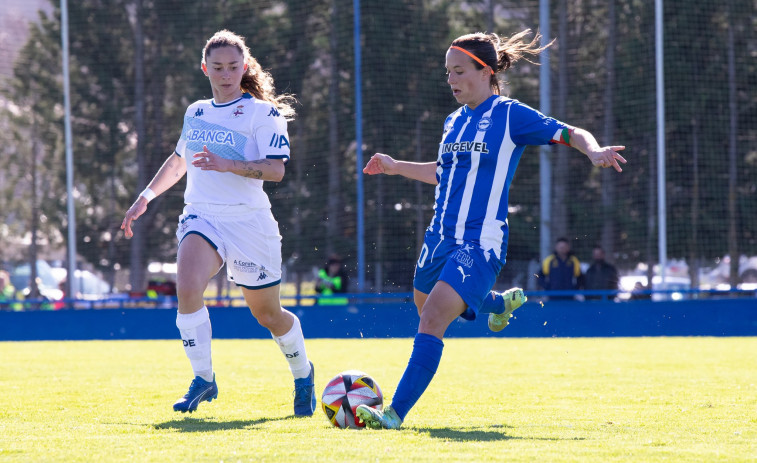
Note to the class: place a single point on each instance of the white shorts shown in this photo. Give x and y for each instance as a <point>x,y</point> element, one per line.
<point>247,240</point>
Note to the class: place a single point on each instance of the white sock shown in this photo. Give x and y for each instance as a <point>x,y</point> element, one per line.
<point>292,345</point>
<point>196,334</point>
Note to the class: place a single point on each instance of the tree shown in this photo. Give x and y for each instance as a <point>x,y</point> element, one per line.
<point>35,145</point>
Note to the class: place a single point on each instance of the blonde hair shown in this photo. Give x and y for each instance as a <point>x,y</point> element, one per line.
<point>256,81</point>
<point>499,53</point>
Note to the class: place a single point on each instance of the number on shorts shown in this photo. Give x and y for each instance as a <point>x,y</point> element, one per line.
<point>422,257</point>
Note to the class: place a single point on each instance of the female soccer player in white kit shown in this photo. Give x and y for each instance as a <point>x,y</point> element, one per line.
<point>229,145</point>
<point>466,244</point>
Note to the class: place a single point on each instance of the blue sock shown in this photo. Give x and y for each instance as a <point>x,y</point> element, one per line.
<point>427,352</point>
<point>493,303</point>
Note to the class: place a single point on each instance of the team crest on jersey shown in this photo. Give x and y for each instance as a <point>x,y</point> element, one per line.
<point>238,111</point>
<point>484,124</point>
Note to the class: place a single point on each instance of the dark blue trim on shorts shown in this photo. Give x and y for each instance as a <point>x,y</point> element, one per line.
<point>201,236</point>
<point>259,287</point>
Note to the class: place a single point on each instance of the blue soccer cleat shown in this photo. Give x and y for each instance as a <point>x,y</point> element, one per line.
<point>514,298</point>
<point>199,390</point>
<point>378,419</point>
<point>304,394</point>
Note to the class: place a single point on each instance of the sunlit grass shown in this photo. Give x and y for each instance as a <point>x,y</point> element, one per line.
<point>597,400</point>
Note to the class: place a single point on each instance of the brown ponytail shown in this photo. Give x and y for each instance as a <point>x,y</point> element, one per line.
<point>500,54</point>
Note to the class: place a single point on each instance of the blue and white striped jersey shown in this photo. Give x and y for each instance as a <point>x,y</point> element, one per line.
<point>479,152</point>
<point>246,129</point>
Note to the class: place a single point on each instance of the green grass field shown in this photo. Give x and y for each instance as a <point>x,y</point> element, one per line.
<point>582,400</point>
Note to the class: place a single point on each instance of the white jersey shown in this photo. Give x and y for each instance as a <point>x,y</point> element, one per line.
<point>246,129</point>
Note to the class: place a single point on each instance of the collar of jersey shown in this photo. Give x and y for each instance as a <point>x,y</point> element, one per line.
<point>245,96</point>
<point>484,106</point>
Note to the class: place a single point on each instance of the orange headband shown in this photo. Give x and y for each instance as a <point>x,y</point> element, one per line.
<point>474,57</point>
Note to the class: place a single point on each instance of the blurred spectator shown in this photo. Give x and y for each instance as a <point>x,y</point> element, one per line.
<point>332,280</point>
<point>8,293</point>
<point>640,291</point>
<point>162,291</point>
<point>601,275</point>
<point>561,270</point>
<point>157,288</point>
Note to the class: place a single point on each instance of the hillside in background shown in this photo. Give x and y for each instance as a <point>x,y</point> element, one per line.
<point>14,29</point>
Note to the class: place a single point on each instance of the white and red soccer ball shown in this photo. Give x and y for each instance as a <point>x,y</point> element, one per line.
<point>345,392</point>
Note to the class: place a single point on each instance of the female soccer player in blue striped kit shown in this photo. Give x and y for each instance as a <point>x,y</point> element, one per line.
<point>466,244</point>
<point>228,147</point>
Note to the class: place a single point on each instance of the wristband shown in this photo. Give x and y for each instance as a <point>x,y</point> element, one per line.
<point>148,194</point>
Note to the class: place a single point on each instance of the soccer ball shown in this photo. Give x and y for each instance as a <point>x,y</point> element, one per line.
<point>345,392</point>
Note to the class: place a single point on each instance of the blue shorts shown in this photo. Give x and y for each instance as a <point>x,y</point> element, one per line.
<point>466,267</point>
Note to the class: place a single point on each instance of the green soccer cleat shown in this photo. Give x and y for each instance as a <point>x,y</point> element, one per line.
<point>377,419</point>
<point>514,298</point>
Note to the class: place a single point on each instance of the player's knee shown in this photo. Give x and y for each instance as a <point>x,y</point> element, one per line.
<point>189,289</point>
<point>270,318</point>
<point>431,324</point>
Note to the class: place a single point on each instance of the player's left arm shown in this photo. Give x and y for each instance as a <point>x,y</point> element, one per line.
<point>530,127</point>
<point>600,156</point>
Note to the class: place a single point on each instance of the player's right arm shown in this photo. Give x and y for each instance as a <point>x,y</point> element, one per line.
<point>172,170</point>
<point>385,164</point>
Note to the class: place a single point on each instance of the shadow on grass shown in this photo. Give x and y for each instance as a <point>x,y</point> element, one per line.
<point>190,424</point>
<point>476,434</point>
